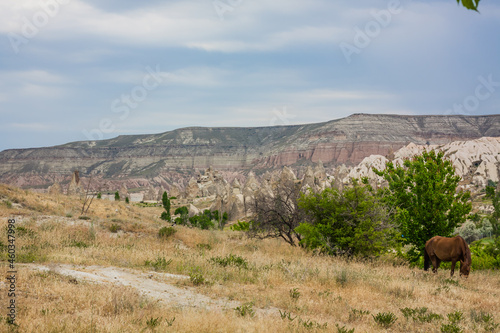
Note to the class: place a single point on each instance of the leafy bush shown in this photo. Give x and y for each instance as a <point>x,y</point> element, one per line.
<point>356,314</point>
<point>245,310</point>
<point>114,228</point>
<point>230,260</point>
<point>486,256</point>
<point>294,293</point>
<point>166,232</point>
<point>452,327</point>
<point>159,264</point>
<point>343,329</point>
<point>352,222</point>
<point>485,319</point>
<point>151,323</point>
<point>203,246</point>
<point>205,220</point>
<point>197,278</point>
<point>183,218</point>
<point>241,226</point>
<point>420,315</point>
<point>385,319</point>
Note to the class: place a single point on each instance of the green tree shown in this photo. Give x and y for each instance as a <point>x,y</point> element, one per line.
<point>166,205</point>
<point>117,196</point>
<point>183,212</point>
<point>204,220</point>
<point>127,200</point>
<point>469,4</point>
<point>352,222</point>
<point>495,217</point>
<point>424,194</point>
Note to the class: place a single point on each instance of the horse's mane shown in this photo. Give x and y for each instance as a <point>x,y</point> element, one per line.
<point>465,251</point>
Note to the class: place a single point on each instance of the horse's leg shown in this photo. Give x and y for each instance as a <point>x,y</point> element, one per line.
<point>435,263</point>
<point>453,262</point>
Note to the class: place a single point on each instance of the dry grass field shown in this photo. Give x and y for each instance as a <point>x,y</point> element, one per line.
<point>255,286</point>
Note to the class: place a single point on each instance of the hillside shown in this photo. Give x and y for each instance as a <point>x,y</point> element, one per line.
<point>110,272</point>
<point>170,158</point>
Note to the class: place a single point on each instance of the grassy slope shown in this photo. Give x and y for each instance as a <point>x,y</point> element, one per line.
<point>316,289</point>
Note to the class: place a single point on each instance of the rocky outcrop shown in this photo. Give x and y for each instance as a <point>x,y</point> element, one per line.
<point>55,189</point>
<point>476,161</point>
<point>173,157</point>
<point>75,187</point>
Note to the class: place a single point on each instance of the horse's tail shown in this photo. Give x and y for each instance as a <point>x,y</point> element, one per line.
<point>427,260</point>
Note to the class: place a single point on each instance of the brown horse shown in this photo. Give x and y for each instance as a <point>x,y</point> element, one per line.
<point>439,249</point>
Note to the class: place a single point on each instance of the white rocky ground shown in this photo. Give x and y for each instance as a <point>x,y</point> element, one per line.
<point>474,160</point>
<point>156,285</point>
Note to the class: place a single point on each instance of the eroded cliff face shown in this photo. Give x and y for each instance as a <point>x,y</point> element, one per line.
<point>170,158</point>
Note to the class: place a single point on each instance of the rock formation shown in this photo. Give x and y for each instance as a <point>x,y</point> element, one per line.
<point>74,187</point>
<point>55,189</point>
<point>161,160</point>
<point>476,161</point>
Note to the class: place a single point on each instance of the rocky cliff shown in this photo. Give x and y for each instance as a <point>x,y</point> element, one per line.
<point>167,159</point>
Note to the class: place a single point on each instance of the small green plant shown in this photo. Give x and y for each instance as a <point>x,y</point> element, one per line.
<point>69,215</point>
<point>287,315</point>
<point>117,196</point>
<point>83,217</point>
<point>385,319</point>
<point>204,246</point>
<point>166,232</point>
<point>78,244</point>
<point>159,264</point>
<point>245,310</point>
<point>8,203</point>
<point>196,277</point>
<point>341,278</point>
<point>114,228</point>
<point>310,324</point>
<point>99,195</point>
<point>127,200</point>
<point>170,322</point>
<point>240,226</point>
<point>420,315</point>
<point>22,231</point>
<point>294,293</point>
<point>356,314</point>
<point>452,327</point>
<point>343,329</point>
<point>151,323</point>
<point>451,282</point>
<point>484,318</point>
<point>230,260</point>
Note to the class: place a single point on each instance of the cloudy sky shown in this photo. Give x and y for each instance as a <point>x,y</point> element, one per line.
<point>75,70</point>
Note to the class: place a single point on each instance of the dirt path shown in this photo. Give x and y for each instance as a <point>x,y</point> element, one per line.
<point>153,284</point>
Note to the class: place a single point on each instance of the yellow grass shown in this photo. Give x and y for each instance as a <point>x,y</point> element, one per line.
<point>314,290</point>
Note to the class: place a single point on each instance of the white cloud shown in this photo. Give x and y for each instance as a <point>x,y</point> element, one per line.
<point>185,24</point>
<point>37,127</point>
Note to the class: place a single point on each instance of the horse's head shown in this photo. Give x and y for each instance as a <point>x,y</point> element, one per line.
<point>464,269</point>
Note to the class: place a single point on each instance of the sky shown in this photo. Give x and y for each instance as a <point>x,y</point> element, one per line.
<point>73,70</point>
